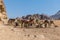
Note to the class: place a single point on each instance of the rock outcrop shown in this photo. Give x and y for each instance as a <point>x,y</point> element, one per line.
<point>36,16</point>
<point>3,15</point>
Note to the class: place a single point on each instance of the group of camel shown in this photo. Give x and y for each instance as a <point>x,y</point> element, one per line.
<point>31,23</point>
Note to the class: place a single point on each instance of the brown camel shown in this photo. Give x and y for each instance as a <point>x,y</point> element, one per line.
<point>26,23</point>
<point>46,23</point>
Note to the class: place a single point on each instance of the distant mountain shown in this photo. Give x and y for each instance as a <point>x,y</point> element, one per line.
<point>56,16</point>
<point>36,16</point>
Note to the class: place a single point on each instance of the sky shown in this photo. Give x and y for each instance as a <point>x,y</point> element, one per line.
<point>19,8</point>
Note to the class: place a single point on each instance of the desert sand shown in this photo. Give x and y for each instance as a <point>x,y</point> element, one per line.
<point>10,33</point>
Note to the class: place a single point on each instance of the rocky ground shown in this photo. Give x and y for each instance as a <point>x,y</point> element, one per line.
<point>10,33</point>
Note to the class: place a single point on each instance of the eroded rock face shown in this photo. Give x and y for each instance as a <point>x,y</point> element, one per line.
<point>3,15</point>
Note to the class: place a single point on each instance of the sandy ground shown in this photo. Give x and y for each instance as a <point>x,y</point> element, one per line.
<point>57,22</point>
<point>10,33</point>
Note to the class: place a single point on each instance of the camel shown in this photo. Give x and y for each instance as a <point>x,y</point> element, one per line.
<point>31,22</point>
<point>27,23</point>
<point>11,21</point>
<point>46,23</point>
<point>49,23</point>
<point>38,23</point>
<point>52,23</point>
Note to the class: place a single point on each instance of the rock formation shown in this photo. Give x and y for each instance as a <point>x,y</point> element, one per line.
<point>56,16</point>
<point>3,16</point>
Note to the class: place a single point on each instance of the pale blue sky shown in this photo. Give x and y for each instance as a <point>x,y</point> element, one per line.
<point>18,8</point>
